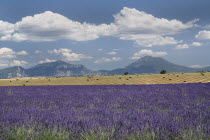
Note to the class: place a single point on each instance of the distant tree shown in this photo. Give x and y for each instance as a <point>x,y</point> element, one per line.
<point>163,72</point>
<point>126,73</point>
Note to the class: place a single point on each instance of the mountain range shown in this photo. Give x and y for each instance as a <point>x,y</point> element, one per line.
<point>145,64</point>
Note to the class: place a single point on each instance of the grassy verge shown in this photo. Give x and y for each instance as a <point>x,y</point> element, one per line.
<point>23,133</point>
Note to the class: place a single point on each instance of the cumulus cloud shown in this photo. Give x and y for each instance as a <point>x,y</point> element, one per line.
<point>10,63</point>
<point>112,53</point>
<point>128,24</point>
<point>61,50</point>
<point>187,46</point>
<point>197,44</point>
<point>18,63</point>
<point>135,22</point>
<point>8,57</point>
<point>105,60</point>
<point>6,28</point>
<point>9,53</point>
<point>146,52</point>
<point>182,46</point>
<point>22,53</point>
<point>147,30</point>
<point>46,61</point>
<point>68,55</point>
<point>203,35</point>
<point>135,57</point>
<point>75,57</point>
<point>49,26</point>
<point>148,40</point>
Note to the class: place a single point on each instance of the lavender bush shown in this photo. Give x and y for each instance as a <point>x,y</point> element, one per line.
<point>175,111</point>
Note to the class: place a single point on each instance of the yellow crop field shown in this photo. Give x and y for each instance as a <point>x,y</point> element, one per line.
<point>171,78</point>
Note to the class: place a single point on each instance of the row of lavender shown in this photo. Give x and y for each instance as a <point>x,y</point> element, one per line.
<point>163,111</point>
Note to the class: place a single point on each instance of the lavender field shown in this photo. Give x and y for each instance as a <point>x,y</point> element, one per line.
<point>112,112</point>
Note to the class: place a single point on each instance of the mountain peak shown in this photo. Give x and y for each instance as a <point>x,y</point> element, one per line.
<point>149,58</point>
<point>11,72</point>
<point>149,64</point>
<point>58,68</point>
<point>51,64</point>
<point>146,64</point>
<point>57,62</point>
<point>14,68</point>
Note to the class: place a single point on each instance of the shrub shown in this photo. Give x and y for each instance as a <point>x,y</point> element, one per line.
<point>126,73</point>
<point>163,72</point>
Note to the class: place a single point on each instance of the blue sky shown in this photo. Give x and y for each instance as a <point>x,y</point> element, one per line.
<point>104,34</point>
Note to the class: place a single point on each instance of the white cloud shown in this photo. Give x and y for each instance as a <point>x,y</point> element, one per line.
<point>46,61</point>
<point>203,35</point>
<point>9,63</point>
<point>7,56</point>
<point>22,53</point>
<point>18,63</point>
<point>135,57</point>
<point>186,46</point>
<point>148,40</point>
<point>62,50</point>
<point>182,46</point>
<point>197,44</point>
<point>6,28</point>
<point>138,22</point>
<point>128,24</point>
<point>75,57</point>
<point>49,26</point>
<point>196,66</point>
<point>68,55</point>
<point>146,52</point>
<point>147,30</point>
<point>7,53</point>
<point>105,60</point>
<point>112,53</point>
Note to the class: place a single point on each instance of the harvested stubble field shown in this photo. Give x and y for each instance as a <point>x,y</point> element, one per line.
<point>171,78</point>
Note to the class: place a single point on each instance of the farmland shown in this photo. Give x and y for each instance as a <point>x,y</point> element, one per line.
<point>171,78</point>
<point>104,70</point>
<point>147,106</point>
<point>90,112</point>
